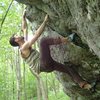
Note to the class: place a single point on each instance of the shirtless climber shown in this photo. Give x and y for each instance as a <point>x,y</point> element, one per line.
<point>43,62</point>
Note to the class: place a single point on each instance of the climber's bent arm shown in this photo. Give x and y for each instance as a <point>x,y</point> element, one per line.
<point>37,34</point>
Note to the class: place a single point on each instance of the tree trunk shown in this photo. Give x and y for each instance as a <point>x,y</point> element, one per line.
<point>66,16</point>
<point>18,75</point>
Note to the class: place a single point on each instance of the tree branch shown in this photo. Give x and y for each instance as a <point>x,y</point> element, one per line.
<point>5,15</point>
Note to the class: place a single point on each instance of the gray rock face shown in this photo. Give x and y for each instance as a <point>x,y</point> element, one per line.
<point>66,16</point>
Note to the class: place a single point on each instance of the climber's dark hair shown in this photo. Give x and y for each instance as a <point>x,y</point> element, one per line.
<point>12,41</point>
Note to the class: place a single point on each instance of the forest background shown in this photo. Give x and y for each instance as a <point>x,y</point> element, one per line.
<point>16,80</point>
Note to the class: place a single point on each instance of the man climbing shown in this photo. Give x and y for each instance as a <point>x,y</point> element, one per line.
<point>43,62</point>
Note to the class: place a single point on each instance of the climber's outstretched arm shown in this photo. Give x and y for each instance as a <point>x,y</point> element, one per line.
<point>24,26</point>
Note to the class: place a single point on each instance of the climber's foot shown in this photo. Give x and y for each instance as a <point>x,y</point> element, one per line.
<point>94,84</point>
<point>75,39</point>
<point>85,85</point>
<point>71,37</point>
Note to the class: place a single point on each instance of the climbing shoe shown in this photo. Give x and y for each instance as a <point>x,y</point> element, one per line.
<point>94,84</point>
<point>75,39</point>
<point>71,37</point>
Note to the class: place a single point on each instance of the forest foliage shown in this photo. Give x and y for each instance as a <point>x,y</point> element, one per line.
<point>16,81</point>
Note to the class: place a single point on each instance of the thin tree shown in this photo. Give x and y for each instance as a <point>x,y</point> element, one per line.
<point>18,74</point>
